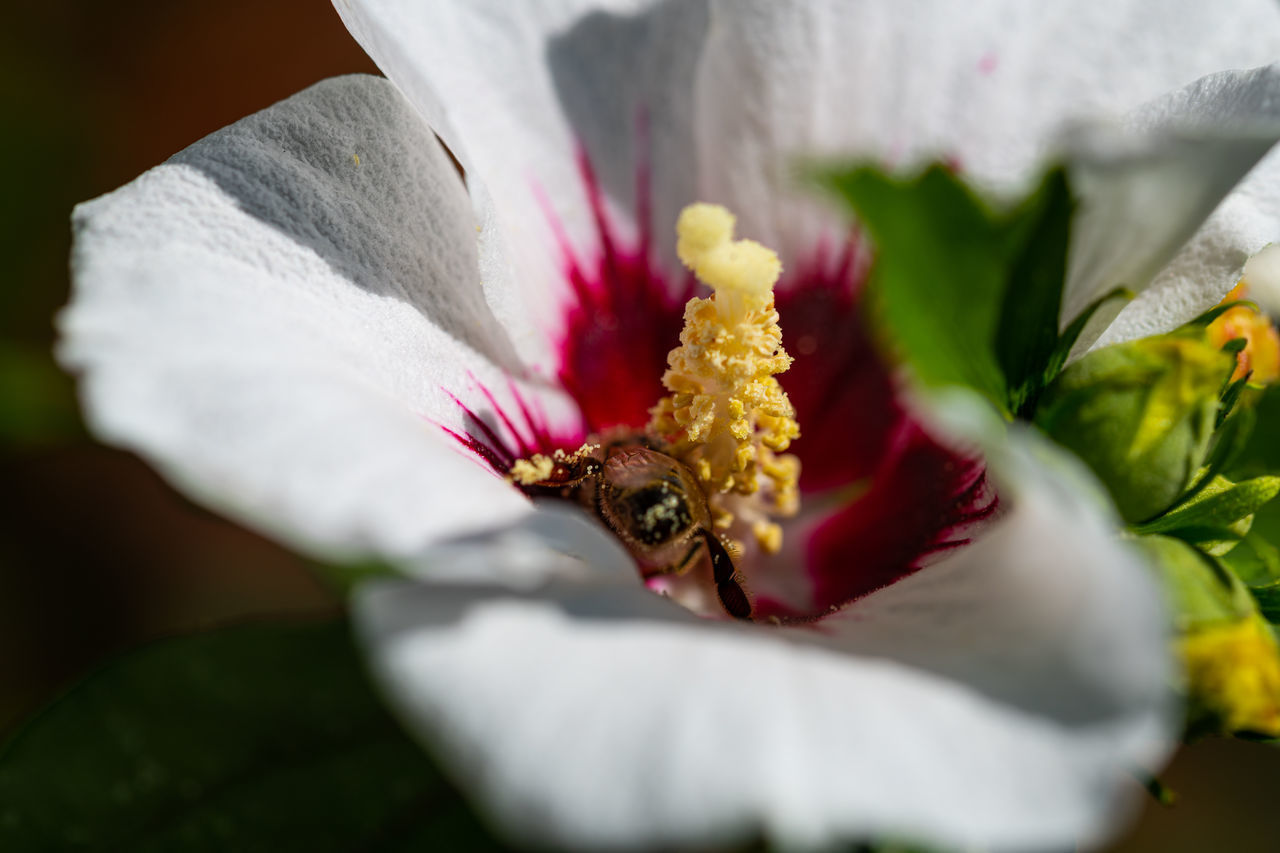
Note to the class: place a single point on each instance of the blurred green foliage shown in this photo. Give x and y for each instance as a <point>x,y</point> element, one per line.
<point>263,737</point>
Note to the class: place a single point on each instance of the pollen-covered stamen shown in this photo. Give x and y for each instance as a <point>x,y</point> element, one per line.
<point>727,417</point>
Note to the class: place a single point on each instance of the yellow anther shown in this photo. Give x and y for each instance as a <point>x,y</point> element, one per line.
<point>768,536</point>
<point>1233,670</point>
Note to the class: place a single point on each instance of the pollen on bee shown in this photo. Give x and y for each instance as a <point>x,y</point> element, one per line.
<point>539,468</point>
<point>535,469</point>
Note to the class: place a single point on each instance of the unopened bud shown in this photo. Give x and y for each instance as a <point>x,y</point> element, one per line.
<point>1140,414</point>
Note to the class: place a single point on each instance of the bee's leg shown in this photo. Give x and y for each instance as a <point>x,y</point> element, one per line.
<point>683,565</point>
<point>733,598</point>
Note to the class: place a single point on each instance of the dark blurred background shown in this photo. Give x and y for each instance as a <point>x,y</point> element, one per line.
<point>97,554</point>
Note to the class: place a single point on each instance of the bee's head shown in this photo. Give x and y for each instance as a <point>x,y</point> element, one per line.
<point>653,514</point>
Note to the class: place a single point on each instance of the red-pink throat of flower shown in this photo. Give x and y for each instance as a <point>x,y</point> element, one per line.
<point>882,497</point>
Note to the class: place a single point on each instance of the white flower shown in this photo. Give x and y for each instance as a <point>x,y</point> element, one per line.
<point>279,316</point>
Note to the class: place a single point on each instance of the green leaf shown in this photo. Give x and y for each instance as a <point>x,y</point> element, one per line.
<point>1234,346</point>
<point>1217,506</point>
<point>1255,561</point>
<point>253,738</point>
<point>1201,591</point>
<point>1218,310</point>
<point>1268,599</point>
<point>1230,397</point>
<point>1072,333</point>
<point>1225,447</point>
<point>1027,336</point>
<point>941,270</point>
<point>1215,541</point>
<point>1261,454</point>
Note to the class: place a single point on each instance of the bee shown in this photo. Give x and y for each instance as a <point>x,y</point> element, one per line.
<point>653,503</point>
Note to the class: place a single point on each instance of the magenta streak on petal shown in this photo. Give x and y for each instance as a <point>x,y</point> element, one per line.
<point>536,420</point>
<point>534,435</point>
<point>481,438</point>
<point>523,447</point>
<point>623,320</point>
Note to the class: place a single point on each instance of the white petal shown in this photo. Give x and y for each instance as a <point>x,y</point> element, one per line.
<point>274,318</point>
<point>1233,117</point>
<point>1047,610</point>
<point>737,91</point>
<point>514,89</point>
<point>987,83</point>
<point>592,717</point>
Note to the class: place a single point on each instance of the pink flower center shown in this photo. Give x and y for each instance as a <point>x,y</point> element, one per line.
<point>881,496</point>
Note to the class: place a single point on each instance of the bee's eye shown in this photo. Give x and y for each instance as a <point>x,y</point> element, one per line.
<point>654,514</point>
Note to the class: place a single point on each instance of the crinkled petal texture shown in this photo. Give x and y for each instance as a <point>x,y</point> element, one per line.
<point>1214,130</point>
<point>731,93</point>
<point>999,699</point>
<point>274,317</point>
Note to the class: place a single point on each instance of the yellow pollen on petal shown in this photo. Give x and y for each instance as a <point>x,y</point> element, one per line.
<point>1234,671</point>
<point>726,416</point>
